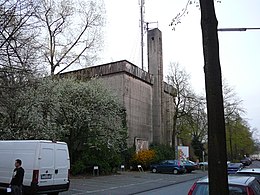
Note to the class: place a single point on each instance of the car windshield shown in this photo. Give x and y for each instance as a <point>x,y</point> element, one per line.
<point>175,162</point>
<point>187,162</point>
<point>234,164</point>
<point>203,189</point>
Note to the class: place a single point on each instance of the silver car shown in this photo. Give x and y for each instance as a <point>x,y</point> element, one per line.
<point>238,185</point>
<point>254,172</point>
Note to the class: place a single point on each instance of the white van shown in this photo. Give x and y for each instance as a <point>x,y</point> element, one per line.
<point>46,165</point>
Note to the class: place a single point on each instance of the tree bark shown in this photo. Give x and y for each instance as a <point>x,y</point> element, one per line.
<point>217,155</point>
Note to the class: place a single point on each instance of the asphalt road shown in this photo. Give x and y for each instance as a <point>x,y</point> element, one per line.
<point>178,189</point>
<point>127,183</point>
<point>139,183</point>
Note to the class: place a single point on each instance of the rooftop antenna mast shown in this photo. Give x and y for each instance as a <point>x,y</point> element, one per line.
<point>141,2</point>
<point>144,26</point>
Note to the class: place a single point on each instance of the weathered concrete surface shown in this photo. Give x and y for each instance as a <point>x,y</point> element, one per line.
<point>155,67</point>
<point>136,96</point>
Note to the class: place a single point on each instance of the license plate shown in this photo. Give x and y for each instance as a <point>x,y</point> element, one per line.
<point>46,176</point>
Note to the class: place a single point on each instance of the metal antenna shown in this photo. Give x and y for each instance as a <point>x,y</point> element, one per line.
<point>141,2</point>
<point>142,32</point>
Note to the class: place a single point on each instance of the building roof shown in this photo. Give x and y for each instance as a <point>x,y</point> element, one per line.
<point>122,66</point>
<point>110,69</point>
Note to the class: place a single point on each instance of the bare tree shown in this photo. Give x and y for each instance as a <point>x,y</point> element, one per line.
<point>195,122</point>
<point>185,100</point>
<point>71,32</point>
<point>14,15</point>
<point>233,111</point>
<point>185,11</point>
<point>18,55</point>
<point>17,35</point>
<point>232,103</point>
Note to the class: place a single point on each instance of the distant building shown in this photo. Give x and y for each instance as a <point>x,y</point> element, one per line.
<point>148,100</point>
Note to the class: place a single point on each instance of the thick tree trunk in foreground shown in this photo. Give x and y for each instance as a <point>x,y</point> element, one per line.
<point>217,156</point>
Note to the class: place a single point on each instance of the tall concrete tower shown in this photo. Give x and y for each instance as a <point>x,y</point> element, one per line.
<point>155,67</point>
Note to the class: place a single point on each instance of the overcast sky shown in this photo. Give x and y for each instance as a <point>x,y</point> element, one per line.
<point>239,51</point>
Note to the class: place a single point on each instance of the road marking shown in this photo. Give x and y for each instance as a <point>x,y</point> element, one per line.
<point>116,187</point>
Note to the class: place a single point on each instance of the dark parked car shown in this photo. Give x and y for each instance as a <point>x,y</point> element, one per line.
<point>246,161</point>
<point>203,164</point>
<point>168,166</point>
<point>238,185</point>
<point>232,168</point>
<point>189,166</point>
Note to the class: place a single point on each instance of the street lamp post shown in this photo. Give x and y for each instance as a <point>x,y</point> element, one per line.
<point>230,30</point>
<point>237,29</point>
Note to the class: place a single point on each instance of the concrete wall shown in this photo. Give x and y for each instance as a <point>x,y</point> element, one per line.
<point>155,65</point>
<point>168,107</point>
<point>136,96</point>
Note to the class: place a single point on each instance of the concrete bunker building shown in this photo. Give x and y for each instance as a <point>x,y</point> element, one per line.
<point>148,100</point>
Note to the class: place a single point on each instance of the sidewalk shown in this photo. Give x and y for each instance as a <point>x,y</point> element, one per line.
<point>126,183</point>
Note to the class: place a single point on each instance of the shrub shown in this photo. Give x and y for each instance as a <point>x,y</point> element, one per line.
<point>78,167</point>
<point>162,152</point>
<point>144,158</point>
<point>128,155</point>
<point>106,159</point>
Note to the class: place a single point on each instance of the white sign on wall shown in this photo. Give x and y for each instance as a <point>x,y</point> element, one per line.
<point>183,152</point>
<point>141,144</point>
